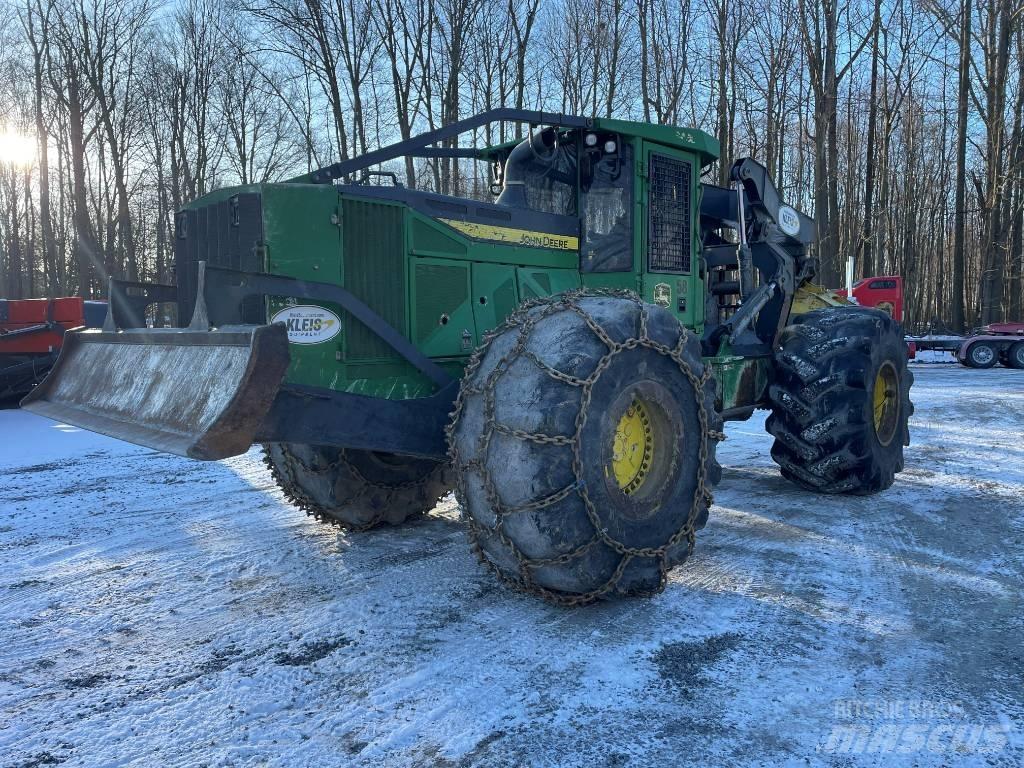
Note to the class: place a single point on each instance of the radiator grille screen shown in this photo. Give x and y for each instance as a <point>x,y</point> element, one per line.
<point>373,250</point>
<point>669,245</point>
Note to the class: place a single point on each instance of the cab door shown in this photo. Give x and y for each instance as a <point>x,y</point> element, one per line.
<point>609,212</point>
<point>670,273</point>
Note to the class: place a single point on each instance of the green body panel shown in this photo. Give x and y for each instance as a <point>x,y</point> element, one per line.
<point>535,282</point>
<point>495,295</point>
<point>445,283</point>
<point>742,381</point>
<point>303,241</point>
<point>432,237</point>
<point>442,309</point>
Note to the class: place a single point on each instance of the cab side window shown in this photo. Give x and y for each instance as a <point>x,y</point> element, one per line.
<point>606,197</point>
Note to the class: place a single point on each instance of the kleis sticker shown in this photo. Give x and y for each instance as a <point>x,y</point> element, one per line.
<point>308,324</point>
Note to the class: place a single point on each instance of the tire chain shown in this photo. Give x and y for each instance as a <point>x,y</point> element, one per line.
<point>295,494</point>
<point>525,319</point>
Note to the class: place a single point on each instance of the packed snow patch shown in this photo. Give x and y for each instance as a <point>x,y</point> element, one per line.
<point>159,611</point>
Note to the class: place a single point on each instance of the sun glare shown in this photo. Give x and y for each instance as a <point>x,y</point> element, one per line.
<point>16,148</point>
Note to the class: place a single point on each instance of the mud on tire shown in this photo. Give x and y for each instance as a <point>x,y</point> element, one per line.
<point>562,499</point>
<point>356,490</point>
<point>841,401</point>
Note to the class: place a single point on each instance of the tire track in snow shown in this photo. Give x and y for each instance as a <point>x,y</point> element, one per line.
<point>790,602</point>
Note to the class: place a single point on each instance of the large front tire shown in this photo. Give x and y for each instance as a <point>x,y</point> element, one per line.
<point>583,443</point>
<point>356,490</point>
<point>841,401</point>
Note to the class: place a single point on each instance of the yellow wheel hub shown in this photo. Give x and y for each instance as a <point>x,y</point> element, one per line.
<point>633,450</point>
<point>886,403</point>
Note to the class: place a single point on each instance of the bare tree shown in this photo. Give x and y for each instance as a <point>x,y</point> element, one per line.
<point>823,38</point>
<point>35,20</point>
<point>664,35</point>
<point>69,84</point>
<point>900,124</point>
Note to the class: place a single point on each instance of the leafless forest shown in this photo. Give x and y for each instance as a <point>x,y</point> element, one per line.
<point>898,123</point>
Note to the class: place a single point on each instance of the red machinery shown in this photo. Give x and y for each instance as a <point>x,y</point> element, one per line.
<point>995,343</point>
<point>884,292</point>
<point>31,334</point>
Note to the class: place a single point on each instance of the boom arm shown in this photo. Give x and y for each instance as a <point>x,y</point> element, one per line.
<point>773,239</point>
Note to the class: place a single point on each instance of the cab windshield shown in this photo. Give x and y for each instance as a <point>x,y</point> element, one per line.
<point>540,174</point>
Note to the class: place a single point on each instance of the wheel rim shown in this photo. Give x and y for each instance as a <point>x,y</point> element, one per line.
<point>982,354</point>
<point>886,403</point>
<point>633,449</point>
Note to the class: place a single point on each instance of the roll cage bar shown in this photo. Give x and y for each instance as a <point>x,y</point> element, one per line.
<point>420,146</point>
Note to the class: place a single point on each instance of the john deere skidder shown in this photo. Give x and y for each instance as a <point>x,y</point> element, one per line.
<point>563,356</point>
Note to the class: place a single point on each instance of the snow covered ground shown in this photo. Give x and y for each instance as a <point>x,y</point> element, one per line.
<point>928,356</point>
<point>156,611</point>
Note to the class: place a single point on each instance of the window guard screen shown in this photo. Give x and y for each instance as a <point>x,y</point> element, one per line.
<point>669,244</point>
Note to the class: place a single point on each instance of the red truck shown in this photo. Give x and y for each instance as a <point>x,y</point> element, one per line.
<point>995,343</point>
<point>884,292</point>
<point>31,334</point>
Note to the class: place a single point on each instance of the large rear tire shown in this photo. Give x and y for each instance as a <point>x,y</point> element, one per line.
<point>583,443</point>
<point>356,490</point>
<point>841,401</point>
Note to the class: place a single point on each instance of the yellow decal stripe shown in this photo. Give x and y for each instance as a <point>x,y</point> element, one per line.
<point>514,236</point>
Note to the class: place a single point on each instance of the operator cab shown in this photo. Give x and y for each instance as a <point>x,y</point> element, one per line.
<point>584,174</point>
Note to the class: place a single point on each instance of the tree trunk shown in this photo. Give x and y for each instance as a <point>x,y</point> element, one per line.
<point>867,266</point>
<point>957,313</point>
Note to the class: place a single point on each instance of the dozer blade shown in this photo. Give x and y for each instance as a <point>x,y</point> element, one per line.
<point>201,394</point>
